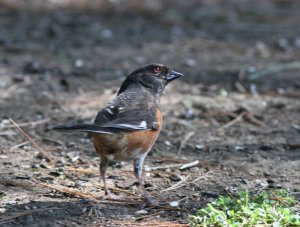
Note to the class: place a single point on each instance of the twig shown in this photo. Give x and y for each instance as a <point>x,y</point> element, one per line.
<point>147,168</point>
<point>182,166</point>
<point>183,183</point>
<point>86,195</point>
<point>42,151</point>
<point>234,121</point>
<point>23,213</point>
<point>20,145</point>
<point>184,141</point>
<point>189,165</point>
<point>147,216</point>
<point>70,192</point>
<point>252,119</point>
<point>174,186</point>
<point>34,123</point>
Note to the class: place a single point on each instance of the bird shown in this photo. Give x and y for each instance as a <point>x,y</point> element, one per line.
<point>128,126</point>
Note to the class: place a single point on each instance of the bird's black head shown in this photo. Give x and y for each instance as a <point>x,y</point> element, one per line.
<point>152,77</point>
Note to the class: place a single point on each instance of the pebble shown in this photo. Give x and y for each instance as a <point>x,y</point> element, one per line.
<point>141,212</point>
<point>46,179</point>
<point>175,177</point>
<point>78,63</point>
<point>239,148</point>
<point>174,204</point>
<point>199,146</point>
<point>168,143</point>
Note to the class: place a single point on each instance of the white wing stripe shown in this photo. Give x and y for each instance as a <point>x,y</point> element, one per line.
<point>142,125</point>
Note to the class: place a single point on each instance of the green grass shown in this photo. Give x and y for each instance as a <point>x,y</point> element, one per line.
<point>268,208</point>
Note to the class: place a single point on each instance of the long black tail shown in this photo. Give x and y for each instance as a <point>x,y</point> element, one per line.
<point>84,128</point>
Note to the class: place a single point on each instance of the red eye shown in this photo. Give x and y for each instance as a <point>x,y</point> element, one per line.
<point>156,69</point>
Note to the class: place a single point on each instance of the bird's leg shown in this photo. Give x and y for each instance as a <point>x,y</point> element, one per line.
<point>103,167</point>
<point>137,167</point>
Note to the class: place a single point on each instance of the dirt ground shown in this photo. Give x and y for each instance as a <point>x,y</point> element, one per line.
<point>236,111</point>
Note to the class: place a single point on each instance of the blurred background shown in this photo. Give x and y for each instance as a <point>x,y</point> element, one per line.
<point>236,110</point>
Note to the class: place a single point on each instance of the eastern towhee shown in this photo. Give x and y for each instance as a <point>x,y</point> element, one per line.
<point>129,125</point>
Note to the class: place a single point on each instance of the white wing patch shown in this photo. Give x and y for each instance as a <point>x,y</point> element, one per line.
<point>142,125</point>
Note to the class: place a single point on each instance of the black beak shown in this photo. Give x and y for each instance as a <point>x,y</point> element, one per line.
<point>172,75</point>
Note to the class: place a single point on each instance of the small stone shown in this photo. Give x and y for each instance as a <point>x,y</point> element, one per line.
<point>199,146</point>
<point>239,148</point>
<point>175,177</point>
<point>168,143</point>
<point>141,212</point>
<point>174,204</point>
<point>78,63</point>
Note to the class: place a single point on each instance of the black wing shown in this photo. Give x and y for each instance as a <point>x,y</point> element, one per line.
<point>128,112</point>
